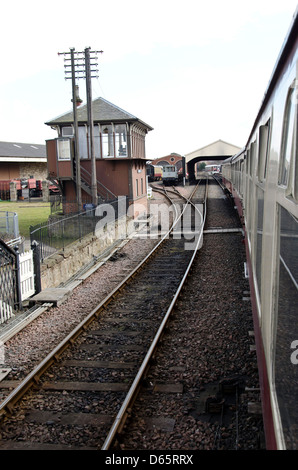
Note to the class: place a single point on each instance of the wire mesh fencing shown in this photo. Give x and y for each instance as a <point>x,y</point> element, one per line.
<point>60,232</point>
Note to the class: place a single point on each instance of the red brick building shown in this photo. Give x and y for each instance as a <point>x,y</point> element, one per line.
<point>172,159</point>
<point>119,148</point>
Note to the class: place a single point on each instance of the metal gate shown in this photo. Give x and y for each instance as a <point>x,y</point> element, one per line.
<point>26,274</point>
<point>8,282</point>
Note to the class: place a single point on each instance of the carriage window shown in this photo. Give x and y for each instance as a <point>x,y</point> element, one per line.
<point>287,139</point>
<point>251,157</point>
<point>169,169</point>
<point>263,151</point>
<point>260,215</point>
<point>285,368</point>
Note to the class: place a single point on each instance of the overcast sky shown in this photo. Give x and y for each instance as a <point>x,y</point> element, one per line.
<point>195,71</point>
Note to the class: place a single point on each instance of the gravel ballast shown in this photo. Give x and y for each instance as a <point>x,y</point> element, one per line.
<point>209,342</point>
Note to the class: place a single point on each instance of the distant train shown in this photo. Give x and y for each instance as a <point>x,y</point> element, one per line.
<point>263,180</point>
<point>154,172</point>
<point>213,169</point>
<point>171,175</point>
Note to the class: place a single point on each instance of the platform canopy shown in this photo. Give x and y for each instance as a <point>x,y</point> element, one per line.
<point>217,151</point>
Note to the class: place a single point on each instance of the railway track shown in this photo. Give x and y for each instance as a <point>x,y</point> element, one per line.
<point>202,386</point>
<point>87,385</point>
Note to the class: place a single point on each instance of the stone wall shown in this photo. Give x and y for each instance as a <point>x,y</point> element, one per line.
<point>61,266</point>
<point>39,171</point>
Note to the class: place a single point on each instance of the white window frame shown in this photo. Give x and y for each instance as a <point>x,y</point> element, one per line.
<point>63,149</point>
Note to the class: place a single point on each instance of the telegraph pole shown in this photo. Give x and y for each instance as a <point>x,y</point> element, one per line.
<point>76,132</point>
<point>81,64</point>
<point>90,125</point>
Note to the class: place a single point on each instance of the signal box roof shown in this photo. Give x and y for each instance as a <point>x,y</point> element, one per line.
<point>103,112</point>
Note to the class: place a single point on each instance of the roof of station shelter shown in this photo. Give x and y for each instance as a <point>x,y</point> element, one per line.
<point>102,110</point>
<point>220,148</point>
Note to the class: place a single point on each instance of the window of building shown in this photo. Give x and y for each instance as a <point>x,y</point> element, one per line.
<point>67,131</point>
<point>121,140</point>
<point>107,141</point>
<point>63,149</point>
<point>97,149</point>
<point>83,143</point>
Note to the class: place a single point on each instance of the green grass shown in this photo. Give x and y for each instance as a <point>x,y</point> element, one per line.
<point>29,213</point>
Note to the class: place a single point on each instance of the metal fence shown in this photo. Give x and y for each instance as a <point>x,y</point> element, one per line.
<point>59,232</point>
<point>9,223</point>
<point>56,203</point>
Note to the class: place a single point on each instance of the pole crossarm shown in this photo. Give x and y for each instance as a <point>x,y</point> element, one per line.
<point>79,61</point>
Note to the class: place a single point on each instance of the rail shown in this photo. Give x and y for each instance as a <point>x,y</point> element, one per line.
<point>33,377</point>
<point>118,423</point>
